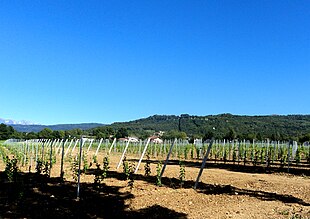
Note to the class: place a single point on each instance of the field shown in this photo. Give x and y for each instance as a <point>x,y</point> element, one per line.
<point>227,189</point>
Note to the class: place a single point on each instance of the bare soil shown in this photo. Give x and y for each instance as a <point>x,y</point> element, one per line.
<point>222,193</point>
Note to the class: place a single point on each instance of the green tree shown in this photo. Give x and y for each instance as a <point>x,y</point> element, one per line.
<point>6,132</point>
<point>45,133</point>
<point>231,134</point>
<point>172,134</point>
<point>31,135</point>
<point>208,135</point>
<point>304,138</point>
<point>122,133</point>
<point>58,134</point>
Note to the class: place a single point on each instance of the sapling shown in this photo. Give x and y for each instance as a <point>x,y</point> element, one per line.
<point>11,169</point>
<point>106,167</point>
<point>217,155</point>
<point>158,172</point>
<point>95,160</point>
<point>197,153</point>
<point>85,162</point>
<point>75,169</point>
<point>240,152</point>
<point>272,154</point>
<point>297,156</point>
<point>262,155</point>
<point>178,151</point>
<point>211,151</point>
<point>192,152</point>
<point>225,156</point>
<point>126,168</point>
<point>244,157</point>
<point>255,158</point>
<point>268,162</point>
<point>147,166</point>
<point>3,154</point>
<point>54,159</point>
<point>98,176</point>
<point>283,160</point>
<point>46,169</point>
<point>234,156</point>
<point>186,152</point>
<point>8,169</point>
<point>229,150</point>
<point>280,153</point>
<point>39,166</point>
<point>131,175</point>
<point>252,152</point>
<point>308,156</point>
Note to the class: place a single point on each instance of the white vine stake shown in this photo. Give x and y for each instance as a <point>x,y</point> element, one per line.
<point>98,146</point>
<point>142,155</point>
<point>69,147</point>
<point>63,147</point>
<point>114,141</point>
<point>77,140</point>
<point>91,142</point>
<point>120,161</point>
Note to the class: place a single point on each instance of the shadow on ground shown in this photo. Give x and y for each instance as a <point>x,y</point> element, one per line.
<point>213,188</point>
<point>37,196</point>
<point>267,196</point>
<point>240,167</point>
<point>33,195</point>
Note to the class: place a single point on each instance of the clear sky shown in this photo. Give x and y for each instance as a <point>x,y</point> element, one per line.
<point>107,61</point>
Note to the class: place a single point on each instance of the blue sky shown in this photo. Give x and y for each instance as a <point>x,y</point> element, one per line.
<point>107,61</point>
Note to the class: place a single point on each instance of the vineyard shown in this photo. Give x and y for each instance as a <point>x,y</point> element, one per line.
<point>138,176</point>
<point>271,155</point>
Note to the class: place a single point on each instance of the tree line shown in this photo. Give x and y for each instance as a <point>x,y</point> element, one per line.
<point>223,126</point>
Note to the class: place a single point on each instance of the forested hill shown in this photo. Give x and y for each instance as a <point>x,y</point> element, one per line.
<point>273,126</point>
<point>221,126</point>
<point>64,127</point>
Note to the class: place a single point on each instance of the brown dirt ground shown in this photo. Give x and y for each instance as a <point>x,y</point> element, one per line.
<point>222,193</point>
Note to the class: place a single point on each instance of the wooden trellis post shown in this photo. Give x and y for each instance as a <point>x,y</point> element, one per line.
<point>79,171</point>
<point>203,164</point>
<point>167,159</point>
<point>62,161</point>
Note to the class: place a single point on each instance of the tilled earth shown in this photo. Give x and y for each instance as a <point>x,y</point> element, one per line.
<point>221,193</point>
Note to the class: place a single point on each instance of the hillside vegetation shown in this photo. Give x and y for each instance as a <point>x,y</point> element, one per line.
<point>63,127</point>
<point>228,126</point>
<point>222,126</point>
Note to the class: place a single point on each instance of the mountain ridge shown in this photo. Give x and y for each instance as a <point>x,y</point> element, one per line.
<point>16,122</point>
<point>221,125</point>
<point>275,126</point>
<point>57,127</point>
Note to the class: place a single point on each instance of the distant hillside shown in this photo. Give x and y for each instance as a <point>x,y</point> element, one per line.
<point>64,127</point>
<point>220,126</point>
<point>275,126</point>
<point>15,122</point>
